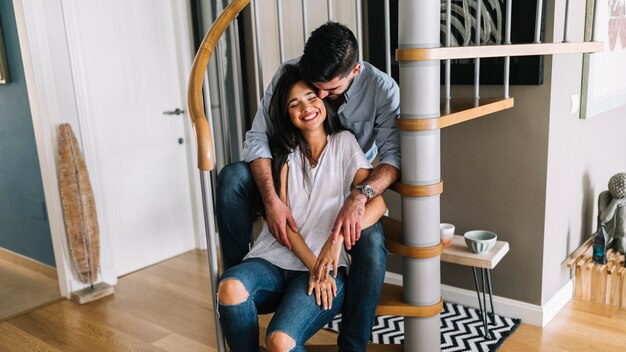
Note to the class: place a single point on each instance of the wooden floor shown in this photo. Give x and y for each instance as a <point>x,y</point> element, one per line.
<point>23,288</point>
<point>166,308</point>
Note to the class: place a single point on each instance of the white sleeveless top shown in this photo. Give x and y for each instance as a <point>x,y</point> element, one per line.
<point>316,200</point>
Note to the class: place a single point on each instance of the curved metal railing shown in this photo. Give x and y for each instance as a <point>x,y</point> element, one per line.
<point>206,154</point>
<point>204,139</point>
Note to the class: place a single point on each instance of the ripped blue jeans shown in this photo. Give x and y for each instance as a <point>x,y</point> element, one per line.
<point>272,289</point>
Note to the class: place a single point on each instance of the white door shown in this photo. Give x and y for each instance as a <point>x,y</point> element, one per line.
<point>126,58</point>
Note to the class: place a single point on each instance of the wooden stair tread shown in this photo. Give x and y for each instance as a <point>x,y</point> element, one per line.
<point>393,242</point>
<point>370,348</point>
<point>480,51</point>
<point>333,348</point>
<point>392,303</point>
<point>455,111</point>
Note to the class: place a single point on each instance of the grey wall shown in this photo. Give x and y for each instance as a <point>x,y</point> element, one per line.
<point>23,222</point>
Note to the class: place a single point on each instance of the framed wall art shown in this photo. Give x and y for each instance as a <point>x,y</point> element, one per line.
<point>604,74</point>
<point>525,70</point>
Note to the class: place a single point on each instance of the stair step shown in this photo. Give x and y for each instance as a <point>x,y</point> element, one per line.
<point>455,111</point>
<point>393,241</point>
<point>469,52</point>
<point>392,303</point>
<point>333,348</point>
<point>370,348</point>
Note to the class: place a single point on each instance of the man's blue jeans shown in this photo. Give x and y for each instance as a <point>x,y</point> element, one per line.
<point>272,289</point>
<point>236,192</point>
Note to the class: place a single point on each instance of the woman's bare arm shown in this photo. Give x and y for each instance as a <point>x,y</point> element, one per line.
<point>329,255</point>
<point>298,246</point>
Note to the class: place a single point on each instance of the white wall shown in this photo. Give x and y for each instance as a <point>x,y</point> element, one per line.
<point>582,156</point>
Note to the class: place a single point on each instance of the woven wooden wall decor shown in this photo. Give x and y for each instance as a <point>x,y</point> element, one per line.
<point>79,209</point>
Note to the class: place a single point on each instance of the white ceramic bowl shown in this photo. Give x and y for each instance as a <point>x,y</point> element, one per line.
<point>447,233</point>
<point>480,241</point>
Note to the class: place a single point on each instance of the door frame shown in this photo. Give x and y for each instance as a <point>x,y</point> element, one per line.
<point>54,96</point>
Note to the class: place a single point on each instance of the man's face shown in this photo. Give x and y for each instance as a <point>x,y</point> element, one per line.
<point>334,88</point>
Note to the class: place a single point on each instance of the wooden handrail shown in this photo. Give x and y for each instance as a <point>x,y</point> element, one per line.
<point>196,77</point>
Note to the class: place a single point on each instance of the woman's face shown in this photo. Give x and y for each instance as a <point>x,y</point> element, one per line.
<point>306,111</point>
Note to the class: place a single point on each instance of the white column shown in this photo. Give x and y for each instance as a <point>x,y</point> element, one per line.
<point>418,27</point>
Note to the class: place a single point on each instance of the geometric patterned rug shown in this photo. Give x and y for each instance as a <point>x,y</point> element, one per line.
<point>461,329</point>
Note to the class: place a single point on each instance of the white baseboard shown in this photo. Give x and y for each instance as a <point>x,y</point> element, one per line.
<point>529,313</point>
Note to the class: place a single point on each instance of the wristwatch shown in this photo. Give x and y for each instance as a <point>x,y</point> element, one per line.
<point>367,191</point>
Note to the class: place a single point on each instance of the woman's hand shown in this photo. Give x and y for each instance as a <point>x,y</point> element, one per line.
<point>324,291</point>
<point>329,256</point>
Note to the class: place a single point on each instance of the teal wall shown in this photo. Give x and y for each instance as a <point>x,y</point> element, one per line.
<point>24,224</point>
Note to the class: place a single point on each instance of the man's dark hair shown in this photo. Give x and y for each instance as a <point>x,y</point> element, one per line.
<point>330,51</point>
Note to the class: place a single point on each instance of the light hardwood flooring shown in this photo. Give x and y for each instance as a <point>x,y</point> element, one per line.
<point>24,288</point>
<point>166,307</point>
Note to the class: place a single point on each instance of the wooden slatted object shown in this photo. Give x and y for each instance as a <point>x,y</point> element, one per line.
<point>455,111</point>
<point>599,283</point>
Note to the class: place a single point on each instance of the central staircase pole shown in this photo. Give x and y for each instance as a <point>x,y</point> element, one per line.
<point>418,27</point>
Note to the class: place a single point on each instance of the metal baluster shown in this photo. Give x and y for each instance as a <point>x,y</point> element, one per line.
<point>305,31</point>
<point>479,4</point>
<point>259,63</point>
<point>210,233</point>
<point>329,5</point>
<point>566,22</point>
<point>448,30</point>
<point>359,31</point>
<point>221,79</point>
<point>281,44</point>
<point>507,41</point>
<point>538,21</point>
<point>238,93</point>
<point>387,39</point>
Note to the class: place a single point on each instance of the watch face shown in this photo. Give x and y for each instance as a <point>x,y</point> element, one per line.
<point>368,191</point>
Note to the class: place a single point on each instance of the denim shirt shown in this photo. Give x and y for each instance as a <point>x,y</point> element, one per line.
<point>372,104</point>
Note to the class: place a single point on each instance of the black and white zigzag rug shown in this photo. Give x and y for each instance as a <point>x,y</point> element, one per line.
<point>461,329</point>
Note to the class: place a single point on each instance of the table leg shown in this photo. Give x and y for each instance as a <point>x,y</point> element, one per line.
<point>493,312</point>
<point>481,311</point>
<point>484,274</point>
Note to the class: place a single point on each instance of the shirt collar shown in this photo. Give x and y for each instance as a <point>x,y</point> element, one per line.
<point>356,83</point>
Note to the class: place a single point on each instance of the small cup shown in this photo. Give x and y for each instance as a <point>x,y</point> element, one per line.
<point>447,233</point>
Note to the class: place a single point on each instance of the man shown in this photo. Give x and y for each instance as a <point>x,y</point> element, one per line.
<point>368,103</point>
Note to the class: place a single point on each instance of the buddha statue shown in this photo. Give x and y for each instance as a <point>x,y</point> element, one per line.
<point>612,210</point>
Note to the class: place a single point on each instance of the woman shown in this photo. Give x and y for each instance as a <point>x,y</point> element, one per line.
<point>314,165</point>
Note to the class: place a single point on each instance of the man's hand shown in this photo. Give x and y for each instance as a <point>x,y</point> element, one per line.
<point>349,220</point>
<point>278,215</point>
<point>329,256</point>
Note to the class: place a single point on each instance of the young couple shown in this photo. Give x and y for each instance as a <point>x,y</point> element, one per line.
<point>308,157</point>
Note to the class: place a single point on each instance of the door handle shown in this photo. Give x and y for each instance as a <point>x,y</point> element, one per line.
<point>174,112</point>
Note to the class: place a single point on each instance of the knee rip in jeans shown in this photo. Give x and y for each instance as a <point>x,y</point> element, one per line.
<point>231,291</point>
<point>279,341</point>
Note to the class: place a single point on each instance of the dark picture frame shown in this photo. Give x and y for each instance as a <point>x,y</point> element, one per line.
<point>524,70</point>
<point>603,85</point>
<point>4,67</point>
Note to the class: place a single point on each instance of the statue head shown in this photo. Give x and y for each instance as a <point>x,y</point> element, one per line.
<point>617,185</point>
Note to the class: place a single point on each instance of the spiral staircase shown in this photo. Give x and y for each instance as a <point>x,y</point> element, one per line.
<point>422,117</point>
